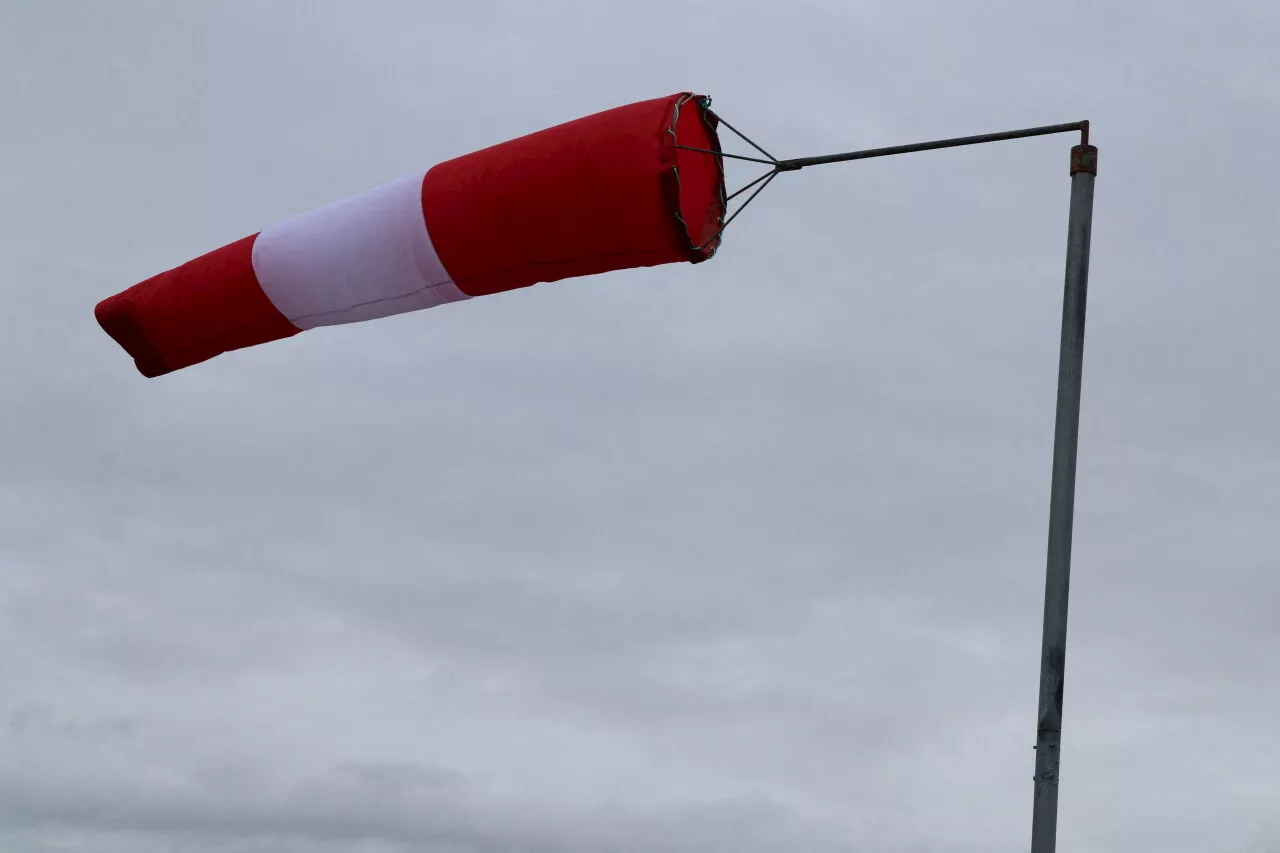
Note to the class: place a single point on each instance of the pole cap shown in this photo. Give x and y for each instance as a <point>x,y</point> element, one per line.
<point>1084,158</point>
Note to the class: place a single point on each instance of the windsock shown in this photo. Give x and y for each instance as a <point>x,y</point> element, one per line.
<point>633,186</point>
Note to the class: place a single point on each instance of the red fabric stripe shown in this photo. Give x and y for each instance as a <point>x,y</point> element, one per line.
<point>584,197</point>
<point>208,306</point>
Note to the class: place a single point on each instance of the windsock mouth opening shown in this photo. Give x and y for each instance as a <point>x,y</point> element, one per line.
<point>697,185</point>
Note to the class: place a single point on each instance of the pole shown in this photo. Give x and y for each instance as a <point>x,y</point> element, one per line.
<point>1053,649</point>
<point>1066,433</point>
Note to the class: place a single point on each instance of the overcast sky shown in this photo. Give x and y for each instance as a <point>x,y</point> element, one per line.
<point>745,557</point>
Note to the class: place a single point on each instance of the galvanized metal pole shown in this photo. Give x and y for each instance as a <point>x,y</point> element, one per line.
<point>1053,649</point>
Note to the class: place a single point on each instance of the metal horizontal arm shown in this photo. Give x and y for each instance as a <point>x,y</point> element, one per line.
<point>798,163</point>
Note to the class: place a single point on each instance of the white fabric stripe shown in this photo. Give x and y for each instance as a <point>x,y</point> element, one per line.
<point>360,258</point>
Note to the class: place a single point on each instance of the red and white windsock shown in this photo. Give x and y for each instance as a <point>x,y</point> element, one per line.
<point>601,193</point>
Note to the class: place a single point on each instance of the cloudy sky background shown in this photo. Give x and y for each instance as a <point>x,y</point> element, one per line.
<point>738,558</point>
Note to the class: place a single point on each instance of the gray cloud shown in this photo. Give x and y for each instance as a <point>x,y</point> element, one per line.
<point>746,556</point>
